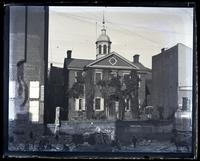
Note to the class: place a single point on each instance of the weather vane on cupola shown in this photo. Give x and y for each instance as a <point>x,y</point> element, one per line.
<point>103,21</point>
<point>103,43</point>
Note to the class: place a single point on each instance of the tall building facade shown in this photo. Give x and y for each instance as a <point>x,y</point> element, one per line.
<point>27,62</point>
<point>172,79</point>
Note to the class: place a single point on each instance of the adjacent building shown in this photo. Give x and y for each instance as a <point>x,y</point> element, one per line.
<point>27,62</point>
<point>172,80</point>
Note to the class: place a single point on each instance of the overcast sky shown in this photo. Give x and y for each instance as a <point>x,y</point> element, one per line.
<point>132,30</point>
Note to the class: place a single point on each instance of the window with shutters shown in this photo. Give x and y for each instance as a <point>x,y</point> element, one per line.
<point>128,104</point>
<point>99,104</point>
<point>79,104</point>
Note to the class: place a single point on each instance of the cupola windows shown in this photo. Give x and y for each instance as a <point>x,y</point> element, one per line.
<point>99,49</point>
<point>104,49</point>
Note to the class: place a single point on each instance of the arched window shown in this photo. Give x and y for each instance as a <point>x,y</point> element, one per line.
<point>104,49</point>
<point>99,49</point>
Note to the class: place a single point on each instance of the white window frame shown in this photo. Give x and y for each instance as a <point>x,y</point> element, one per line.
<point>35,116</point>
<point>139,83</point>
<point>83,90</point>
<point>77,100</point>
<point>129,105</point>
<point>75,76</point>
<point>125,73</point>
<point>139,103</point>
<point>113,73</point>
<point>12,89</point>
<point>11,109</point>
<point>95,76</point>
<point>34,85</point>
<point>101,104</point>
<point>42,92</point>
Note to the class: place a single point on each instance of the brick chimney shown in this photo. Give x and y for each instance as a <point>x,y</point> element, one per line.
<point>136,58</point>
<point>162,50</point>
<point>69,54</point>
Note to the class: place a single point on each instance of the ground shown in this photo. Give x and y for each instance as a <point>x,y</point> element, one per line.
<point>23,140</point>
<point>57,143</point>
<point>153,146</point>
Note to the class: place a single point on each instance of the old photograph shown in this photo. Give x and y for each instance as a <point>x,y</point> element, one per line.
<point>101,79</point>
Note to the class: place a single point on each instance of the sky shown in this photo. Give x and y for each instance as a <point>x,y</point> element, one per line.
<point>132,30</point>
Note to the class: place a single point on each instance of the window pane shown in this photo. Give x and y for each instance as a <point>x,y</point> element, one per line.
<point>80,104</point>
<point>99,49</point>
<point>76,104</point>
<point>34,110</point>
<point>98,77</point>
<point>113,74</point>
<point>11,109</point>
<point>75,75</point>
<point>126,75</point>
<point>12,87</point>
<point>139,83</point>
<point>104,49</point>
<point>34,89</point>
<point>97,103</point>
<point>42,93</point>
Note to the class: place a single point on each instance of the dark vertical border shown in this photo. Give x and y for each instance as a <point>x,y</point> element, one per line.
<point>194,89</point>
<point>46,37</point>
<point>6,76</point>
<point>25,38</point>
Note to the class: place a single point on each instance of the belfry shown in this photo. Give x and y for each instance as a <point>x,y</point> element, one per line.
<point>103,43</point>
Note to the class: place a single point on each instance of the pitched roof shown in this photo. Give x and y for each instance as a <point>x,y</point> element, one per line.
<point>81,63</point>
<point>77,63</point>
<point>56,75</point>
<point>141,66</point>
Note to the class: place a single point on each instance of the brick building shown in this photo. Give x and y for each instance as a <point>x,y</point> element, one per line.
<point>106,66</point>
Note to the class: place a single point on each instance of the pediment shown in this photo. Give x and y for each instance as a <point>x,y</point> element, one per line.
<point>112,60</point>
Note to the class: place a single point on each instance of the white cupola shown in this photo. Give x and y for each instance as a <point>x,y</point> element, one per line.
<point>103,43</point>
